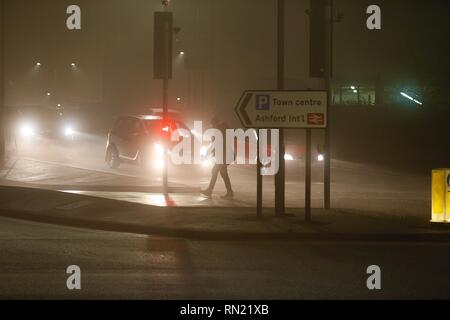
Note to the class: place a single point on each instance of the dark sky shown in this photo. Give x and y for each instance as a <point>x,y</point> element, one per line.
<point>230,47</point>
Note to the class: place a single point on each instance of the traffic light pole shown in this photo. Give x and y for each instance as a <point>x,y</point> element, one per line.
<point>167,55</point>
<point>280,176</point>
<point>328,75</point>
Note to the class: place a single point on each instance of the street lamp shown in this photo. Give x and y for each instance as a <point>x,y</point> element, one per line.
<point>411,98</point>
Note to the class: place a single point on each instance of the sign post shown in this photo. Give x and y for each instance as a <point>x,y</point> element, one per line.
<point>2,78</point>
<point>328,73</point>
<point>261,109</point>
<point>259,181</point>
<point>280,177</point>
<point>321,21</point>
<point>308,176</point>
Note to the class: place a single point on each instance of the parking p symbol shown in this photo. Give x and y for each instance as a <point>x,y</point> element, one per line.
<point>262,102</point>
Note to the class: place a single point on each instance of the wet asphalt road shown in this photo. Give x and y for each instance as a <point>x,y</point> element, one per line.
<point>80,167</point>
<point>34,258</point>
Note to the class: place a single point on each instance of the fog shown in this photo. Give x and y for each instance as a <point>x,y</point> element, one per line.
<point>230,46</point>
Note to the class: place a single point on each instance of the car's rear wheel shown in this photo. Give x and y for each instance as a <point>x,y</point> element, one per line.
<point>112,158</point>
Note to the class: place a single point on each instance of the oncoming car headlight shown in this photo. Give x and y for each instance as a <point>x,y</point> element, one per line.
<point>208,163</point>
<point>68,131</point>
<point>158,163</point>
<point>26,130</point>
<point>159,149</point>
<point>203,151</point>
<point>157,160</point>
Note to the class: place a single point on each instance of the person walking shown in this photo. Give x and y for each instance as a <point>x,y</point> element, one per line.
<point>220,166</point>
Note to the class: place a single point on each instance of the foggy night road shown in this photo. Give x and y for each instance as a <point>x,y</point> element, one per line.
<point>80,167</point>
<point>240,152</point>
<point>116,265</point>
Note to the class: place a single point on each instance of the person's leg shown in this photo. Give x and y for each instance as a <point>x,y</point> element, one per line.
<point>226,179</point>
<point>214,173</point>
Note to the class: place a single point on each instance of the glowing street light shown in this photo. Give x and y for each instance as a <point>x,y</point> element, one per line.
<point>38,64</point>
<point>49,94</point>
<point>182,53</point>
<point>411,98</point>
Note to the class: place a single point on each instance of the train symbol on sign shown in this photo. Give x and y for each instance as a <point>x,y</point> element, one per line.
<point>316,118</point>
<point>262,102</point>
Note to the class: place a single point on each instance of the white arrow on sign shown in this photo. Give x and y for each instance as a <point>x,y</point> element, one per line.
<point>283,109</point>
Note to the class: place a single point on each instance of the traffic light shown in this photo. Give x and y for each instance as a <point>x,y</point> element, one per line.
<point>317,38</point>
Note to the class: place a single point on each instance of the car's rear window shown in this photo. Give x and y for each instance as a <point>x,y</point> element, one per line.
<point>152,125</point>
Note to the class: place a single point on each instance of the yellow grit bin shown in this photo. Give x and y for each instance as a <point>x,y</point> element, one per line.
<point>440,195</point>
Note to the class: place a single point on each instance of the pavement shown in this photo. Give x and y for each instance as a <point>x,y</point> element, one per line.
<point>354,185</point>
<point>74,187</point>
<point>211,223</point>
